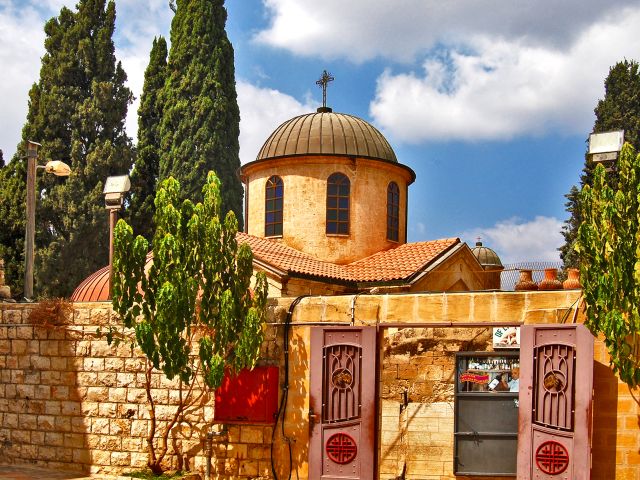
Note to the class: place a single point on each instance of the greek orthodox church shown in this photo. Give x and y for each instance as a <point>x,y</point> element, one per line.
<point>326,204</point>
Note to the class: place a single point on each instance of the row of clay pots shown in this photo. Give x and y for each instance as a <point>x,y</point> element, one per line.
<point>550,281</point>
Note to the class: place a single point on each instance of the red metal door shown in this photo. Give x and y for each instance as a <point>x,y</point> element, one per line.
<point>342,403</point>
<point>556,384</point>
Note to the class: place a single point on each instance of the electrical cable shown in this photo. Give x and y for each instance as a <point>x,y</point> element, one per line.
<point>566,314</point>
<point>282,409</point>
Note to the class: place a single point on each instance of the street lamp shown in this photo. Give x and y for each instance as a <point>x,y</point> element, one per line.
<point>59,169</point>
<point>114,191</point>
<point>605,147</point>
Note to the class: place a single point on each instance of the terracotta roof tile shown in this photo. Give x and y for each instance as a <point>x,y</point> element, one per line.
<point>291,260</point>
<point>398,263</point>
<point>394,264</point>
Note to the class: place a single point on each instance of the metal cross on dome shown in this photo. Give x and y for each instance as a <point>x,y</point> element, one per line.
<point>323,82</point>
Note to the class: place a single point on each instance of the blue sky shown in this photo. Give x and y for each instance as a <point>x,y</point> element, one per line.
<point>490,102</point>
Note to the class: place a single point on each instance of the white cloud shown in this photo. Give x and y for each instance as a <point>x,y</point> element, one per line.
<point>419,229</point>
<point>21,46</point>
<point>137,23</point>
<point>261,111</point>
<point>516,241</point>
<point>361,29</point>
<point>504,89</point>
<point>489,70</point>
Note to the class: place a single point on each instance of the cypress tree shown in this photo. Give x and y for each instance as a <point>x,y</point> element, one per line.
<point>200,124</point>
<point>77,111</point>
<point>12,213</point>
<point>145,171</point>
<point>618,110</point>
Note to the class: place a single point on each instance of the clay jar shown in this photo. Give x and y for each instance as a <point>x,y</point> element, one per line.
<point>526,281</point>
<point>573,279</point>
<point>550,281</point>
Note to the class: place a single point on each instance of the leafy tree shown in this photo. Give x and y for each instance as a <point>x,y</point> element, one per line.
<point>200,123</point>
<point>194,314</point>
<point>568,252</point>
<point>77,111</point>
<point>609,247</point>
<point>13,213</point>
<point>618,110</point>
<point>620,107</point>
<point>145,171</point>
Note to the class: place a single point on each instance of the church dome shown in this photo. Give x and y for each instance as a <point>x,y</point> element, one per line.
<point>327,133</point>
<point>486,256</point>
<point>94,288</point>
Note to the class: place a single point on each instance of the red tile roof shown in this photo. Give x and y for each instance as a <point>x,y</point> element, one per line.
<point>401,262</point>
<point>290,260</point>
<point>396,264</point>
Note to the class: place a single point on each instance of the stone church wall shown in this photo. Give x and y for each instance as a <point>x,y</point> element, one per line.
<point>70,401</point>
<point>305,183</point>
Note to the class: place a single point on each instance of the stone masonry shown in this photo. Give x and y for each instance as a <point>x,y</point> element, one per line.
<point>70,401</point>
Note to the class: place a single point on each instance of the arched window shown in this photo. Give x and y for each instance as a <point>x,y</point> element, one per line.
<point>338,188</point>
<point>393,212</point>
<point>274,194</point>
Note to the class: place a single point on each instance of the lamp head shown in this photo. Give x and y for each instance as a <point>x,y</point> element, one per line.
<point>114,190</point>
<point>117,184</point>
<point>58,168</point>
<point>605,147</point>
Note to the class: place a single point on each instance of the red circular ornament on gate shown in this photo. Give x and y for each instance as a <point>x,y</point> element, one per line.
<point>552,457</point>
<point>341,448</point>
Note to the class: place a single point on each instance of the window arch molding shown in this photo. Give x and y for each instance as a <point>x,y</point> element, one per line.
<point>338,204</point>
<point>273,206</point>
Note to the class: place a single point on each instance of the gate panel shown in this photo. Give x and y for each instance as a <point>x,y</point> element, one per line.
<point>556,385</point>
<point>342,403</point>
<point>553,376</point>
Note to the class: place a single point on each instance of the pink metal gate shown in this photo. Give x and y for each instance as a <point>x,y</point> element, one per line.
<point>342,404</point>
<point>556,385</point>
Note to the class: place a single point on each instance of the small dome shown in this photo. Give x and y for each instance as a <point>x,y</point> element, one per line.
<point>94,288</point>
<point>327,133</point>
<point>486,256</point>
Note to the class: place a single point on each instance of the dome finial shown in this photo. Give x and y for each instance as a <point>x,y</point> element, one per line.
<point>478,241</point>
<point>324,80</point>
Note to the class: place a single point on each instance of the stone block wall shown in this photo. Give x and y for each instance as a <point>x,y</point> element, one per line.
<point>69,401</point>
<point>420,361</point>
<point>417,395</point>
<point>616,422</point>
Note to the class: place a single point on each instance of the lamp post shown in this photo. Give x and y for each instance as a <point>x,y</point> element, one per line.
<point>114,191</point>
<point>56,167</point>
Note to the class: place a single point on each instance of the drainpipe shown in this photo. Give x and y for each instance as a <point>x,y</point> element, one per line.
<point>282,409</point>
